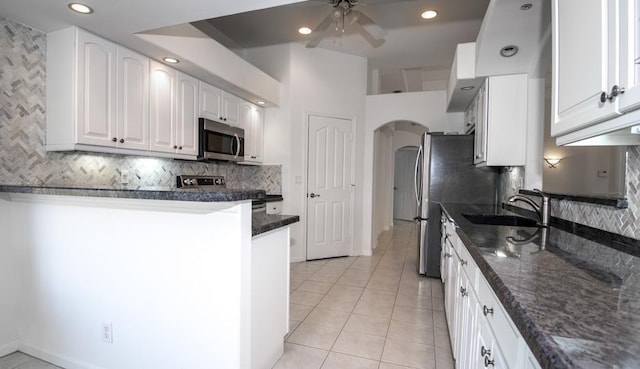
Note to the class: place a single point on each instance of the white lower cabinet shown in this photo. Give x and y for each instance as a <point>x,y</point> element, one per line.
<point>482,333</point>
<point>269,297</point>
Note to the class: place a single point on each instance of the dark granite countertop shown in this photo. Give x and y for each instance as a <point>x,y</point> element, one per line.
<point>576,301</point>
<point>262,222</point>
<point>143,193</point>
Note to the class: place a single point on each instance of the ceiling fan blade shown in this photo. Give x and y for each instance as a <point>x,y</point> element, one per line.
<point>367,36</point>
<point>374,30</point>
<point>316,35</point>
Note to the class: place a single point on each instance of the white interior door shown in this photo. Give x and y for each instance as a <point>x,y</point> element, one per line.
<point>404,202</point>
<point>329,189</point>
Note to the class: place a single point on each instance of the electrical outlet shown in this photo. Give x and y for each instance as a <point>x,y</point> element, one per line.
<point>124,176</point>
<point>107,332</point>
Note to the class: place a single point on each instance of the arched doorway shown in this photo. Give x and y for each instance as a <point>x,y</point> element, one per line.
<point>388,139</point>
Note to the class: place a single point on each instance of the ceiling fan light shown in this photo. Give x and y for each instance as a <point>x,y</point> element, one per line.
<point>304,30</point>
<point>429,14</point>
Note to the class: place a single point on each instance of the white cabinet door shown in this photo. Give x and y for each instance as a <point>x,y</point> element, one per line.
<point>478,113</point>
<point>630,55</point>
<point>585,59</point>
<point>96,90</point>
<point>231,109</point>
<point>133,100</point>
<point>252,121</point>
<point>211,102</point>
<point>187,122</point>
<point>163,107</point>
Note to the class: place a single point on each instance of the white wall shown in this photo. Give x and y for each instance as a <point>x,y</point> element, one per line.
<point>9,289</point>
<point>174,296</point>
<point>403,138</point>
<point>425,108</point>
<point>383,170</point>
<point>313,81</point>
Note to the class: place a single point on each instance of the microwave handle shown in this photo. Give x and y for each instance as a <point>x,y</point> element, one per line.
<point>238,147</point>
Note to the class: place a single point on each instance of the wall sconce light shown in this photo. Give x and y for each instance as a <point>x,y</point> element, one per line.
<point>552,162</point>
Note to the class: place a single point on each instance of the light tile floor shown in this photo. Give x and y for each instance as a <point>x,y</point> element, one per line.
<point>367,312</point>
<point>18,360</point>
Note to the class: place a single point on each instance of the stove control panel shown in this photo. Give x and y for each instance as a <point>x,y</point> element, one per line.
<point>201,182</point>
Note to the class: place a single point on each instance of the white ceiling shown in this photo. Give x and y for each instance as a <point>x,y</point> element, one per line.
<point>416,55</point>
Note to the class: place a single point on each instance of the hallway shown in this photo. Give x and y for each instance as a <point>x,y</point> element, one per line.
<point>367,312</point>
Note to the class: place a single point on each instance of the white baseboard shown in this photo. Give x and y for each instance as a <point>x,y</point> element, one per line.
<point>9,348</point>
<point>55,359</point>
<point>297,260</point>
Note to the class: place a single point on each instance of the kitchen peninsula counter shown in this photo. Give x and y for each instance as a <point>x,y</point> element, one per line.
<point>158,265</point>
<point>576,302</point>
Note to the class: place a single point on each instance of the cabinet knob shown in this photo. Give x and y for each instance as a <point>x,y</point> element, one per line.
<point>477,156</point>
<point>122,140</point>
<point>615,91</point>
<point>447,255</point>
<point>179,147</point>
<point>484,352</point>
<point>114,139</point>
<point>175,147</point>
<point>486,311</point>
<point>488,362</point>
<point>463,291</point>
<point>463,262</point>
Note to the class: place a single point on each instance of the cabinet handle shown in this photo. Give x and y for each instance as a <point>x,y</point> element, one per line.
<point>488,362</point>
<point>122,140</point>
<point>484,352</point>
<point>463,291</point>
<point>615,91</point>
<point>114,139</point>
<point>486,311</point>
<point>447,255</point>
<point>463,262</point>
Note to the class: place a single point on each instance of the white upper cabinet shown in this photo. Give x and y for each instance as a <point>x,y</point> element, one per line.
<point>96,89</point>
<point>133,100</point>
<point>630,55</point>
<point>174,109</point>
<point>595,75</point>
<point>500,115</point>
<point>215,104</point>
<point>252,121</point>
<point>97,94</point>
<point>187,123</point>
<point>164,82</point>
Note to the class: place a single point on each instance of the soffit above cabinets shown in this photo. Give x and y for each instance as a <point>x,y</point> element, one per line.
<point>523,24</point>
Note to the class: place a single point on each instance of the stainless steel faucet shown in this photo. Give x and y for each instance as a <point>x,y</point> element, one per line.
<point>542,211</point>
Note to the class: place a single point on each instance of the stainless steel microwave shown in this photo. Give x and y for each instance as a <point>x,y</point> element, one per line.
<point>219,141</point>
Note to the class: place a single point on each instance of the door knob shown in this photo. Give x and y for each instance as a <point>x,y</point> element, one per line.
<point>313,195</point>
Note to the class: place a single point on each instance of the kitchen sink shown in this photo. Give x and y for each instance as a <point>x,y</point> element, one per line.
<point>498,219</point>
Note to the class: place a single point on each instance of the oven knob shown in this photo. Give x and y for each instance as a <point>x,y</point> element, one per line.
<point>185,181</point>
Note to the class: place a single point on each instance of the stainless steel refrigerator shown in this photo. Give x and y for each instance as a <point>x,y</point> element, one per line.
<point>444,173</point>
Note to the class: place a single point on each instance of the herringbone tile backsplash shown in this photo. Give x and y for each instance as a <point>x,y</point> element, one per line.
<point>24,161</point>
<point>620,221</point>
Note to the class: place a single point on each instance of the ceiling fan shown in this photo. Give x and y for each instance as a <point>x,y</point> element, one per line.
<point>344,15</point>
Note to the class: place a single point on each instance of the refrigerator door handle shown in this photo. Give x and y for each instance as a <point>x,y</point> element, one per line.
<point>415,173</point>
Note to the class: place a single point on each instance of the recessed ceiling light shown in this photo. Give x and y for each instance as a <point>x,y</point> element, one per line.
<point>80,8</point>
<point>171,60</point>
<point>526,7</point>
<point>261,102</point>
<point>467,88</point>
<point>509,51</point>
<point>304,30</point>
<point>429,14</point>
